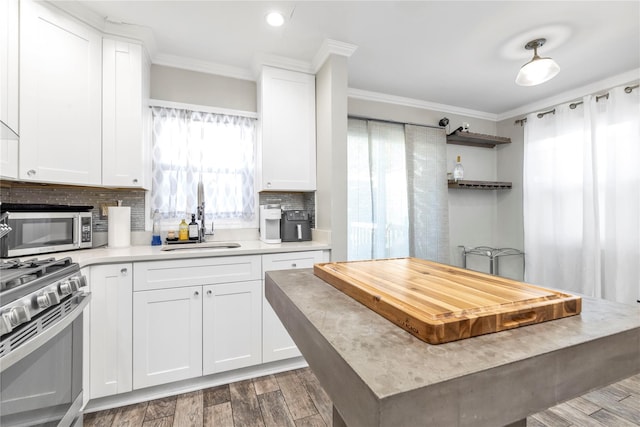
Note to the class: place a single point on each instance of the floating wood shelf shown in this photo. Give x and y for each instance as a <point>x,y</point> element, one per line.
<point>480,185</point>
<point>476,139</point>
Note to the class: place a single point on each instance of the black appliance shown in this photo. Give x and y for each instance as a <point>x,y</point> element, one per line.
<point>41,342</point>
<point>295,226</point>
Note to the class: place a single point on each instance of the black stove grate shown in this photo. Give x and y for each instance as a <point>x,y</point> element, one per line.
<point>16,273</point>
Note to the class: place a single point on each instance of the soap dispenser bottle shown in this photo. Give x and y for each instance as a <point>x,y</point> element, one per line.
<point>183,230</point>
<point>193,228</point>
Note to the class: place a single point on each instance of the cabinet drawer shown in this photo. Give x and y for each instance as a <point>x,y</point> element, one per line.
<point>289,260</point>
<point>200,271</point>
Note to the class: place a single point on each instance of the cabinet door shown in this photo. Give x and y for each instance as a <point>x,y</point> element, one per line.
<point>287,150</point>
<point>9,87</point>
<point>111,353</point>
<point>232,326</point>
<point>276,342</point>
<point>167,335</point>
<point>60,97</point>
<point>123,143</point>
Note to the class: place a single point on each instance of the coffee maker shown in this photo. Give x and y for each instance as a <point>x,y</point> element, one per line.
<point>270,223</point>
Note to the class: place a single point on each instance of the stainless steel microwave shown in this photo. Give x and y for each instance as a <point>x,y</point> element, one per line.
<point>38,229</point>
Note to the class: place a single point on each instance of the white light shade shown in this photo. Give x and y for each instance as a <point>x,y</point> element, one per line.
<point>536,71</point>
<point>275,19</point>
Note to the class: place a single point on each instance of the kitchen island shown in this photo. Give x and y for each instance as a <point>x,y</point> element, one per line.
<point>377,374</point>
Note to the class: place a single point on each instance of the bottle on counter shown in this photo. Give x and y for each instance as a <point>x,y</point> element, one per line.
<point>155,234</point>
<point>458,170</point>
<point>183,230</point>
<point>193,228</point>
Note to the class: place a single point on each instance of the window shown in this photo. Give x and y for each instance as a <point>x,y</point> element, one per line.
<point>217,148</point>
<point>397,191</point>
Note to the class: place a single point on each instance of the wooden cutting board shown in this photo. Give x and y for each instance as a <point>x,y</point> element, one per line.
<point>439,303</point>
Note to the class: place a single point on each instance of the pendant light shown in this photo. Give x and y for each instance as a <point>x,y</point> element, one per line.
<point>538,70</point>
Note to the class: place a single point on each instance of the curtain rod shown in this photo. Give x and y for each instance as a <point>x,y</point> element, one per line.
<point>350,116</point>
<point>573,105</point>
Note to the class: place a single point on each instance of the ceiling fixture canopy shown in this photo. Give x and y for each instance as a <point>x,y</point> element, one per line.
<point>538,70</point>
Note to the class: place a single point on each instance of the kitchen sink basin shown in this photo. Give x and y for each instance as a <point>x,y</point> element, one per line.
<point>203,245</point>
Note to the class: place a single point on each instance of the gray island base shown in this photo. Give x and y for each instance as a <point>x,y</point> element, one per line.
<point>376,374</point>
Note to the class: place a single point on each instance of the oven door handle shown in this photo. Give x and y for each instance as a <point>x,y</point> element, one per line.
<point>40,339</point>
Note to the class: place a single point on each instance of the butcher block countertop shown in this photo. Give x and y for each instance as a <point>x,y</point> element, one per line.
<point>440,303</point>
<point>378,374</point>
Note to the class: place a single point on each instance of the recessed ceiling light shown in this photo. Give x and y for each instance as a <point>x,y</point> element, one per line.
<point>275,19</point>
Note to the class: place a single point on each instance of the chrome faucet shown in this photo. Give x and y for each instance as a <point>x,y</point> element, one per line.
<point>202,228</point>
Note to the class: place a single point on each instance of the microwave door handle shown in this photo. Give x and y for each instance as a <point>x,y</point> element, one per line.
<point>76,229</point>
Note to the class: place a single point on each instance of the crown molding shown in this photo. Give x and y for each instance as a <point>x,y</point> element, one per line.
<point>602,85</point>
<point>331,47</point>
<point>261,59</point>
<point>202,66</point>
<point>81,12</point>
<point>107,27</point>
<point>417,103</point>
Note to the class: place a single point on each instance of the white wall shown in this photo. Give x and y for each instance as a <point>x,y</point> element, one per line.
<point>331,151</point>
<point>472,213</point>
<point>192,87</point>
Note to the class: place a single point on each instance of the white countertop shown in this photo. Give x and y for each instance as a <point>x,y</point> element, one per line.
<point>105,255</point>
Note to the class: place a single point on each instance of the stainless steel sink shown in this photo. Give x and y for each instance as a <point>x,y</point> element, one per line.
<point>203,245</point>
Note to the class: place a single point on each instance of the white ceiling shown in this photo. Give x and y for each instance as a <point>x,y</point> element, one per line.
<point>459,53</point>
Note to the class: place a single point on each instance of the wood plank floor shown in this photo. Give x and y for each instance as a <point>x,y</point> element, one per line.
<point>296,399</point>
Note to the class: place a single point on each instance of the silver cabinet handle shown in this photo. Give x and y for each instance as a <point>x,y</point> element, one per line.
<point>31,172</point>
<point>135,180</point>
<point>209,292</point>
<point>196,293</point>
<point>123,271</point>
<point>294,265</point>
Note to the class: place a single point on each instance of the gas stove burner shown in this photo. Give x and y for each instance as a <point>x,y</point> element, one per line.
<point>29,287</point>
<point>12,283</point>
<point>28,263</point>
<point>18,274</point>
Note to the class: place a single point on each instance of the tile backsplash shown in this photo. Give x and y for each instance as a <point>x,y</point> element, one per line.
<point>68,195</point>
<point>13,192</point>
<point>292,201</point>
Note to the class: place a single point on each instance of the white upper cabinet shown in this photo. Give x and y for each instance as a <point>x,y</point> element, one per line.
<point>287,144</point>
<point>60,97</point>
<point>125,112</point>
<point>9,87</point>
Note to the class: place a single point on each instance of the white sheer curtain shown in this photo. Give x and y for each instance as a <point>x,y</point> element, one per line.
<point>427,190</point>
<point>397,195</point>
<point>219,148</point>
<point>377,197</point>
<point>582,197</point>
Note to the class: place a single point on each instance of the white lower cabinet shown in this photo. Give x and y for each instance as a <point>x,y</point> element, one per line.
<point>110,328</point>
<point>276,342</point>
<point>157,322</point>
<point>195,317</point>
<point>167,335</point>
<point>232,335</point>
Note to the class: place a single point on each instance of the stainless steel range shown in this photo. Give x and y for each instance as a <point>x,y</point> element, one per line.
<point>41,304</point>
